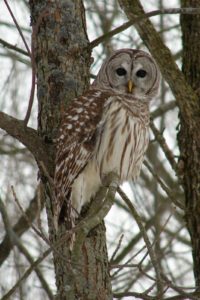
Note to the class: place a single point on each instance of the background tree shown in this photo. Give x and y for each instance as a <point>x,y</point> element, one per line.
<point>148,244</point>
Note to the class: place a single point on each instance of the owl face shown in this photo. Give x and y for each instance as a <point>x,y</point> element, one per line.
<point>132,72</point>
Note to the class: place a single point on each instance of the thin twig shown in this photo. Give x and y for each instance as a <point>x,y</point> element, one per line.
<point>40,234</point>
<point>37,270</point>
<point>18,27</point>
<point>19,228</point>
<point>133,294</point>
<point>129,260</point>
<point>13,47</point>
<point>180,290</point>
<point>31,54</point>
<point>26,274</point>
<point>16,241</point>
<point>123,266</point>
<point>163,109</point>
<point>154,13</point>
<point>117,248</point>
<point>163,186</point>
<point>160,231</point>
<point>145,236</point>
<point>162,142</point>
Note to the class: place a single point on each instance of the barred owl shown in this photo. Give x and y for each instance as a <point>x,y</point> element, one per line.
<point>104,130</point>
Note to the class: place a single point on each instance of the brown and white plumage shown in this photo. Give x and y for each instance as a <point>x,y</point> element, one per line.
<point>105,130</point>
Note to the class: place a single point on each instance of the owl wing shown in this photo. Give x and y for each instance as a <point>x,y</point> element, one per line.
<point>76,143</point>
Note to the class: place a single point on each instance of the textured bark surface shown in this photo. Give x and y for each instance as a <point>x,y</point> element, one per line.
<point>62,56</point>
<point>185,90</point>
<point>189,138</point>
<point>185,96</point>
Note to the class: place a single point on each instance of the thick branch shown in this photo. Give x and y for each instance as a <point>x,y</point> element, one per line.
<point>185,96</point>
<point>27,136</point>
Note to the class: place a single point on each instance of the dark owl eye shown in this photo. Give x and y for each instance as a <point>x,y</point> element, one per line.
<point>141,73</point>
<point>121,71</point>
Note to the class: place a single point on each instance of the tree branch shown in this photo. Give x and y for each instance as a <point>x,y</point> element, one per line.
<point>186,98</point>
<point>26,274</point>
<point>163,109</point>
<point>133,294</point>
<point>163,144</point>
<point>13,47</point>
<point>28,137</point>
<point>148,244</point>
<point>135,20</point>
<point>19,228</point>
<point>18,27</point>
<point>16,241</point>
<point>163,186</point>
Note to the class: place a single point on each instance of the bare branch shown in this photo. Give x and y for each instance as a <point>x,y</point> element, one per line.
<point>181,291</point>
<point>19,228</point>
<point>26,274</point>
<point>13,47</point>
<point>163,144</point>
<point>18,28</point>
<point>16,241</point>
<point>145,237</point>
<point>135,20</point>
<point>43,281</point>
<point>30,53</point>
<point>186,98</point>
<point>163,186</point>
<point>135,295</point>
<point>38,232</point>
<point>28,137</point>
<point>117,249</point>
<point>163,109</point>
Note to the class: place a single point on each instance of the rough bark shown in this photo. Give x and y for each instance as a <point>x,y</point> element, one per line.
<point>184,90</point>
<point>170,71</point>
<point>62,56</point>
<point>189,140</point>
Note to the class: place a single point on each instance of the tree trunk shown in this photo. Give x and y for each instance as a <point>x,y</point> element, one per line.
<point>62,56</point>
<point>188,103</point>
<point>189,137</point>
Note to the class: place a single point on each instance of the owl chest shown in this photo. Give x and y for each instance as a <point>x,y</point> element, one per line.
<point>122,143</point>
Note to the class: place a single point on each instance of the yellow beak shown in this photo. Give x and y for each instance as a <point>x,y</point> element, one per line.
<point>130,86</point>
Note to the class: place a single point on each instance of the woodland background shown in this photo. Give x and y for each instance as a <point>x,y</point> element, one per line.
<point>158,195</point>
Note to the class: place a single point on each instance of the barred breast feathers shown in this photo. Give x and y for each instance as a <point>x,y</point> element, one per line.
<point>113,137</point>
<point>124,138</point>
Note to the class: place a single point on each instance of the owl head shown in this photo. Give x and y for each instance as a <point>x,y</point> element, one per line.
<point>131,72</point>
